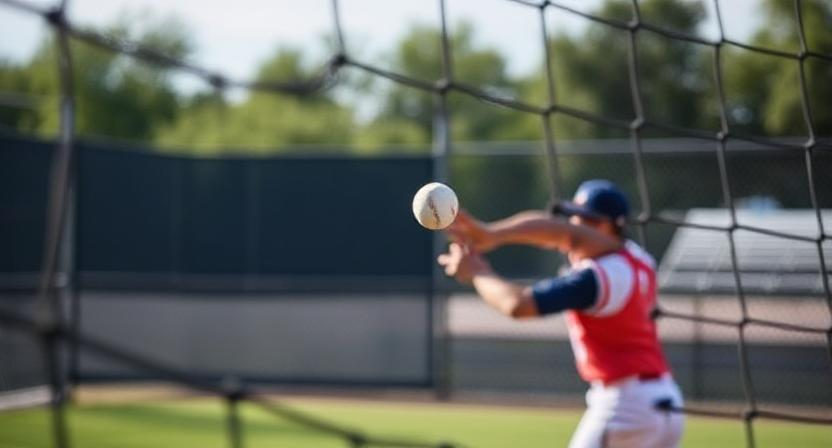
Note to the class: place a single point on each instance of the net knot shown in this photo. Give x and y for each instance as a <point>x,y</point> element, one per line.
<point>217,81</point>
<point>722,136</point>
<point>637,124</point>
<point>56,17</point>
<point>744,322</point>
<point>750,414</point>
<point>443,86</point>
<point>634,25</point>
<point>339,60</point>
<point>655,313</point>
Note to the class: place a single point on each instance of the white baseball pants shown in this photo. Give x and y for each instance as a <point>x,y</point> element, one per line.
<point>624,415</point>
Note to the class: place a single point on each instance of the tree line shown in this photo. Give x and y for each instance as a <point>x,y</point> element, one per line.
<point>122,98</point>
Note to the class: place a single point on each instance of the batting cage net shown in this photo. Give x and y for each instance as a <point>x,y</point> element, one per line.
<point>55,316</point>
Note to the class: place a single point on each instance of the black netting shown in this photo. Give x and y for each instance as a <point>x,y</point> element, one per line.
<point>640,124</point>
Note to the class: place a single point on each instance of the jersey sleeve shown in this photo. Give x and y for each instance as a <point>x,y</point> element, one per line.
<point>616,281</point>
<point>578,290</point>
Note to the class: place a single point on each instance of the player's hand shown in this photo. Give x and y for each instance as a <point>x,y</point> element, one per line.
<point>469,231</point>
<point>463,263</point>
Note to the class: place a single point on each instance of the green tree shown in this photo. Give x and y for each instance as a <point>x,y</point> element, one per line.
<point>263,122</point>
<point>18,108</point>
<point>591,71</point>
<point>406,115</point>
<point>115,95</point>
<point>764,91</point>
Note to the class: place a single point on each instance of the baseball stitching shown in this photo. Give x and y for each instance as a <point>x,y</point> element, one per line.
<point>432,207</point>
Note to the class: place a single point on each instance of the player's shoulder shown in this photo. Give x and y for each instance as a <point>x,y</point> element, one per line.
<point>614,268</point>
<point>616,277</point>
<point>617,268</point>
<point>617,258</point>
<point>640,253</point>
<point>617,262</point>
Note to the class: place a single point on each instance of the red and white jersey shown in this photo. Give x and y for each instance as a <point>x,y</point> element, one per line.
<point>616,338</point>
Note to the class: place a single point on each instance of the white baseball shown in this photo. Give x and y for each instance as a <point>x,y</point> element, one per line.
<point>435,206</point>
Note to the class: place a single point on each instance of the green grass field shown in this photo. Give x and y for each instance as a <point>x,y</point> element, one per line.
<point>199,423</point>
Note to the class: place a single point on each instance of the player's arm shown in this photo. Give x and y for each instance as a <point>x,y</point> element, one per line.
<point>534,228</point>
<point>506,297</point>
<point>509,298</point>
<point>574,291</point>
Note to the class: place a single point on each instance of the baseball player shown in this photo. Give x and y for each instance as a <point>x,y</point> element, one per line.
<point>607,296</point>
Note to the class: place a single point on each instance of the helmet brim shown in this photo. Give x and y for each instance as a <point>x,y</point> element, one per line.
<point>568,208</point>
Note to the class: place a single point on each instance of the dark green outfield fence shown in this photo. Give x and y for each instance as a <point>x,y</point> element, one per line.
<point>144,213</point>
